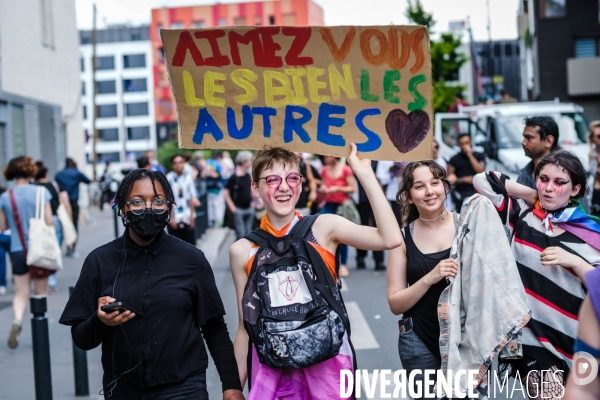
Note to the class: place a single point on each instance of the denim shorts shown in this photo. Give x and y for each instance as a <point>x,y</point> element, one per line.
<point>19,263</point>
<point>192,388</point>
<point>415,355</point>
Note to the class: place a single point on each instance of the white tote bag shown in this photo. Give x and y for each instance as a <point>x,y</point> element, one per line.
<point>68,229</point>
<point>42,245</point>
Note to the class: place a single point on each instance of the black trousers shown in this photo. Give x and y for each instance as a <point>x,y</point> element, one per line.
<point>192,388</point>
<point>75,211</point>
<point>183,232</point>
<point>368,219</point>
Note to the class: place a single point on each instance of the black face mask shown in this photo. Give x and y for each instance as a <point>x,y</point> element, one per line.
<point>148,224</point>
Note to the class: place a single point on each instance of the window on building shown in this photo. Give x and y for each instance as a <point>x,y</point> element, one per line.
<point>84,112</point>
<point>17,117</point>
<point>83,88</point>
<point>132,156</point>
<point>134,85</point>
<point>134,61</point>
<point>135,109</point>
<point>135,35</point>
<point>106,62</point>
<point>198,24</point>
<point>161,55</point>
<point>107,110</point>
<point>553,8</point>
<point>239,21</point>
<point>222,21</point>
<point>138,133</point>
<point>586,47</point>
<point>82,64</point>
<point>158,28</point>
<point>105,87</point>
<point>271,20</point>
<point>108,135</point>
<point>177,25</point>
<point>497,50</point>
<point>114,157</point>
<point>258,20</point>
<point>3,114</point>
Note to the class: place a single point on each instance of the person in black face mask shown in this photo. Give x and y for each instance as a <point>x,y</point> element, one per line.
<point>163,283</point>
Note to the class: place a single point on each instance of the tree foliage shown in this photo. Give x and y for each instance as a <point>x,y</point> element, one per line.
<point>445,59</point>
<point>417,14</point>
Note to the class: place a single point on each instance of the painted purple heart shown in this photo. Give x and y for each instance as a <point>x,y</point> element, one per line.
<point>407,131</point>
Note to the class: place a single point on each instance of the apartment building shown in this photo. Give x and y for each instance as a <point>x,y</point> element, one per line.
<point>40,113</point>
<point>560,43</point>
<point>124,96</point>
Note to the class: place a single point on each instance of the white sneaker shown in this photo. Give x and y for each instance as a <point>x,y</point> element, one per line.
<point>2,290</point>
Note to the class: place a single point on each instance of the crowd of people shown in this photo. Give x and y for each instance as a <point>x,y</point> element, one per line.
<point>293,335</point>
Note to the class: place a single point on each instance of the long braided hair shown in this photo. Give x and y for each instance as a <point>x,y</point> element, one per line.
<point>136,175</point>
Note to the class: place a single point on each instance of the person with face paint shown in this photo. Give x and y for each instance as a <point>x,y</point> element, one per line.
<point>163,283</point>
<point>277,181</point>
<point>555,244</point>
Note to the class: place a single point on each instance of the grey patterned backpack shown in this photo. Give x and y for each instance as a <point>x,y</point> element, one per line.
<point>292,308</point>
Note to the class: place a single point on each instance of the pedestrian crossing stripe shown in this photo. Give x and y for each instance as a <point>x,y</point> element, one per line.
<point>362,336</point>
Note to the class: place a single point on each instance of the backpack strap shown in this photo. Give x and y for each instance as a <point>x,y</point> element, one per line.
<point>331,288</point>
<point>260,237</point>
<point>303,226</point>
<point>301,229</point>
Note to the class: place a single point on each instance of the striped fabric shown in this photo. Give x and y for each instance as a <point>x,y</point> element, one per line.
<point>555,293</point>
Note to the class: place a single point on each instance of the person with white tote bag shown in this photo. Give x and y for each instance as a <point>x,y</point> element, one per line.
<point>61,214</point>
<point>23,196</point>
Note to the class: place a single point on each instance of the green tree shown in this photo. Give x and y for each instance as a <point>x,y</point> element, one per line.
<point>445,59</point>
<point>417,14</point>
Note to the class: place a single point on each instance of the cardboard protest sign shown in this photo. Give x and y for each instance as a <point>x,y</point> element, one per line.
<point>310,89</point>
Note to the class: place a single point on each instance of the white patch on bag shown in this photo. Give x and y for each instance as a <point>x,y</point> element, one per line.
<point>288,287</point>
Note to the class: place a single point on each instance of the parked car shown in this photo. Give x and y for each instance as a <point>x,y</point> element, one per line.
<point>496,131</point>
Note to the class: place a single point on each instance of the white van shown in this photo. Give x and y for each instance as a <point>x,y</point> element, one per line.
<point>497,131</point>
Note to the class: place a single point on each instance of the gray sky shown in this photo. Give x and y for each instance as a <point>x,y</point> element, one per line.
<point>337,12</point>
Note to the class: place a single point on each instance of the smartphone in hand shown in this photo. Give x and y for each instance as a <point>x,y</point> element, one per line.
<point>118,306</point>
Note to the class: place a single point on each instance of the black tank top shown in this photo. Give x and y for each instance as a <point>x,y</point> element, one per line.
<point>424,312</point>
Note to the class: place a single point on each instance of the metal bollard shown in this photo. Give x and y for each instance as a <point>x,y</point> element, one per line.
<point>80,367</point>
<point>41,348</point>
<point>116,221</point>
